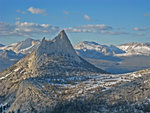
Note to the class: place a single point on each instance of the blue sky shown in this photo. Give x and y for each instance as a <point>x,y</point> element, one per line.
<point>103,21</point>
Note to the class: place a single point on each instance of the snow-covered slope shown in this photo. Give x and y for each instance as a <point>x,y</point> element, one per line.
<point>23,47</point>
<point>135,49</point>
<point>116,59</point>
<point>94,50</point>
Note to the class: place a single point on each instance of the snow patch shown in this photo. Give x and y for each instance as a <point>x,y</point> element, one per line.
<point>5,76</point>
<point>16,69</point>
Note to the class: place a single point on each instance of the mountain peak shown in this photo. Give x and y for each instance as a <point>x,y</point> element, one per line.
<point>61,35</point>
<point>43,39</point>
<point>59,46</point>
<point>62,32</point>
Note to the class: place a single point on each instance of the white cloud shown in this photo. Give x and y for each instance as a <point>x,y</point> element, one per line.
<point>36,10</point>
<point>140,29</point>
<point>30,29</point>
<point>66,12</point>
<point>86,17</point>
<point>34,29</point>
<point>7,29</point>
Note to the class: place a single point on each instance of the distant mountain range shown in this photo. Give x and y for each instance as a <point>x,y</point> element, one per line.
<point>23,47</point>
<point>114,59</point>
<point>87,49</point>
<point>135,49</point>
<point>94,50</point>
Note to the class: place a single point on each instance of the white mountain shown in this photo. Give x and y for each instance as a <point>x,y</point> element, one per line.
<point>116,59</point>
<point>94,50</point>
<point>23,47</point>
<point>135,49</point>
<point>88,49</point>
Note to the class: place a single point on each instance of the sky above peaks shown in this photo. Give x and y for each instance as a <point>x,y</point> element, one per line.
<point>103,21</point>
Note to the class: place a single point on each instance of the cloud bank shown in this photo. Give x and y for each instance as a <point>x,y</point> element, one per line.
<point>26,29</point>
<point>30,29</point>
